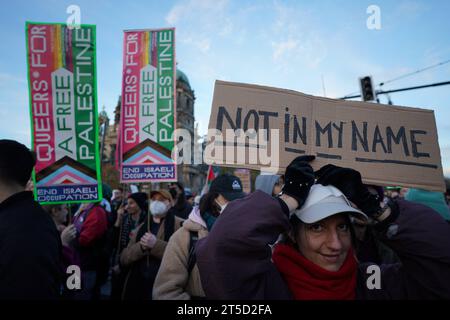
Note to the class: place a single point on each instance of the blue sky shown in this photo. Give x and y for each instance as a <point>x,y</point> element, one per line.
<point>286,44</point>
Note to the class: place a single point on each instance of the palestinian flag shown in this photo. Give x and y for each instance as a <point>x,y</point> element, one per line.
<point>213,172</point>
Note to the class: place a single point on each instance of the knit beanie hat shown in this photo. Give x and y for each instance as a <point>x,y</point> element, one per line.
<point>141,200</point>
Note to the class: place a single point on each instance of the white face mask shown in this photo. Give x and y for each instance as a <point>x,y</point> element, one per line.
<point>158,208</point>
<point>222,206</point>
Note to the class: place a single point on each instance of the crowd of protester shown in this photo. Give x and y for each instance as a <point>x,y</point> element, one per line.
<point>304,235</point>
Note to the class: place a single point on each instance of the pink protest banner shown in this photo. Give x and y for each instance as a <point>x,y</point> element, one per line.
<point>63,110</point>
<point>148,106</point>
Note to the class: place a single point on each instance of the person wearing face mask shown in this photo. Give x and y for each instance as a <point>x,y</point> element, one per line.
<point>228,187</point>
<point>147,245</point>
<point>178,276</point>
<point>181,207</point>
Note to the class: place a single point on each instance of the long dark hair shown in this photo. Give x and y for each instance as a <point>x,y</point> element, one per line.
<point>208,204</point>
<point>181,200</point>
<point>50,207</point>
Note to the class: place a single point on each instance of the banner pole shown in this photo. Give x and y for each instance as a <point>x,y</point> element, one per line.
<point>148,229</point>
<point>69,209</point>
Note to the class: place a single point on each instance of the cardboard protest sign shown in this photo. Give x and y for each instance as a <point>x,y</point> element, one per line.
<point>265,128</point>
<point>245,176</point>
<point>63,108</point>
<point>148,106</point>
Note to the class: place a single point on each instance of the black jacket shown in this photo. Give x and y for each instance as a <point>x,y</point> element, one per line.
<point>30,250</point>
<point>181,210</point>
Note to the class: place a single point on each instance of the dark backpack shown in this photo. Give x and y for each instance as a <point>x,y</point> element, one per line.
<point>193,237</point>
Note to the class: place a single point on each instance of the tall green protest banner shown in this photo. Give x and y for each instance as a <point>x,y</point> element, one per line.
<point>63,108</point>
<point>147,119</point>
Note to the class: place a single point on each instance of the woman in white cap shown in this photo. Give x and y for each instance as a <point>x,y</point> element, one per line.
<point>320,243</point>
<point>316,261</point>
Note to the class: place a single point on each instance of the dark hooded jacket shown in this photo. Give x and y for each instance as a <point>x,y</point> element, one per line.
<point>235,259</point>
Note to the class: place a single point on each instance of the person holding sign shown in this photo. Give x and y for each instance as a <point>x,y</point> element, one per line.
<point>147,245</point>
<point>316,259</point>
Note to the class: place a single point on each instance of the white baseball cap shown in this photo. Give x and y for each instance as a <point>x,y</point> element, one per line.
<point>325,201</point>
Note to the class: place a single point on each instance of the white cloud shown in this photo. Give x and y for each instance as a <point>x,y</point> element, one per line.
<point>436,54</point>
<point>227,28</point>
<point>174,15</point>
<point>445,154</point>
<point>14,109</point>
<point>3,110</point>
<point>209,34</point>
<point>199,21</point>
<point>410,8</point>
<point>445,151</point>
<point>293,42</point>
<point>204,9</point>
<point>202,44</point>
<point>6,79</point>
<point>280,49</point>
<point>447,172</point>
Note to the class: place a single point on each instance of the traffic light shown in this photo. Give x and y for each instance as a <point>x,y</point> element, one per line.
<point>367,91</point>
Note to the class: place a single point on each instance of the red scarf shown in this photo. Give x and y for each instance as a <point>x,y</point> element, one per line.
<point>308,281</point>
